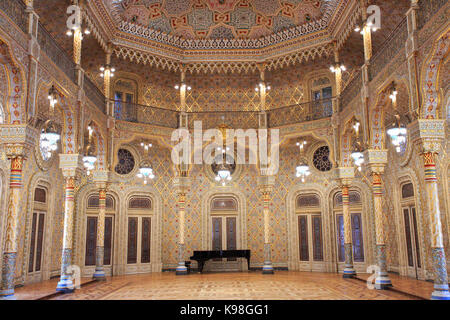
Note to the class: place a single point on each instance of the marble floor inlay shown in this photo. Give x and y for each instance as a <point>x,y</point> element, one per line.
<point>283,285</point>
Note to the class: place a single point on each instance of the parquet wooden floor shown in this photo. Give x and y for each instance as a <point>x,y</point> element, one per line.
<point>284,285</point>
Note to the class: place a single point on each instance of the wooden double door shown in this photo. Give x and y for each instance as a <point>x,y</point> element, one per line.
<point>412,241</point>
<point>310,237</point>
<point>224,237</point>
<point>139,244</point>
<point>91,243</point>
<point>35,261</point>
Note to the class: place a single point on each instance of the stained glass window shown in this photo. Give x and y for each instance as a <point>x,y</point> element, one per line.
<point>321,159</point>
<point>126,162</point>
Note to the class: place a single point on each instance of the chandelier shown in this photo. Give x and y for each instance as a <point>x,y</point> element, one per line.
<point>302,170</point>
<point>104,70</point>
<point>357,154</point>
<point>145,171</point>
<point>53,97</point>
<point>89,158</point>
<point>398,134</point>
<point>223,175</point>
<point>48,140</point>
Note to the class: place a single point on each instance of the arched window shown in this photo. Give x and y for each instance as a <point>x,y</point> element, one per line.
<point>140,203</point>
<point>224,204</point>
<point>93,202</point>
<point>407,191</point>
<point>308,201</point>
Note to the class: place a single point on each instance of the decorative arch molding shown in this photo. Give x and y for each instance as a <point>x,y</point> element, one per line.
<point>40,179</point>
<point>15,107</point>
<point>242,215</point>
<point>431,101</point>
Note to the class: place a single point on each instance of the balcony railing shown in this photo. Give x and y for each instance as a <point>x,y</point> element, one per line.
<point>351,90</point>
<point>56,53</point>
<point>15,9</point>
<point>94,94</point>
<point>233,119</point>
<point>133,112</point>
<point>308,111</point>
<point>389,49</point>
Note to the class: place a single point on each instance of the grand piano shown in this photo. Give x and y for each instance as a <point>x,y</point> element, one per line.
<point>202,256</point>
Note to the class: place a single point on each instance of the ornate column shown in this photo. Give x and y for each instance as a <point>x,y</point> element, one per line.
<point>17,140</point>
<point>181,185</point>
<point>412,51</point>
<point>266,184</point>
<point>346,176</point>
<point>33,58</point>
<point>429,134</point>
<point>70,165</point>
<point>101,180</point>
<point>377,160</point>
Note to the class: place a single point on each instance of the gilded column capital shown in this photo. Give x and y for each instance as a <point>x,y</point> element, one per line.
<point>70,164</point>
<point>181,184</point>
<point>101,178</point>
<point>17,139</point>
<point>345,175</point>
<point>428,134</point>
<point>376,160</point>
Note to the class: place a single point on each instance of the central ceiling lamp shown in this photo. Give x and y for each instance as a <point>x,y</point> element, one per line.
<point>223,173</point>
<point>89,158</point>
<point>303,167</point>
<point>53,97</point>
<point>360,27</point>
<point>145,168</point>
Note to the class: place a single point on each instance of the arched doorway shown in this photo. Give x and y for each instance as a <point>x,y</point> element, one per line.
<point>141,234</point>
<point>309,233</point>
<point>37,235</point>
<point>411,232</point>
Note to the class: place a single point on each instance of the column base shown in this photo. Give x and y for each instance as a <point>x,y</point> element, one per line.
<point>349,273</point>
<point>383,282</point>
<point>99,275</point>
<point>10,297</point>
<point>268,268</point>
<point>181,269</point>
<point>65,285</point>
<point>8,271</point>
<point>440,294</point>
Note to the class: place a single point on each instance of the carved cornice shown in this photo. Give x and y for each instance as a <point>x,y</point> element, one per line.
<point>345,175</point>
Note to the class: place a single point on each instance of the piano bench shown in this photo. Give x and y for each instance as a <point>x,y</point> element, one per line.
<point>188,266</point>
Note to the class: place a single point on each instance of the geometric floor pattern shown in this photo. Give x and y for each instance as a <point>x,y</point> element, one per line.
<point>284,285</point>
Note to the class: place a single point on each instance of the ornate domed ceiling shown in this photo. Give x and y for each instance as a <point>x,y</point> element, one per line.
<point>220,19</point>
